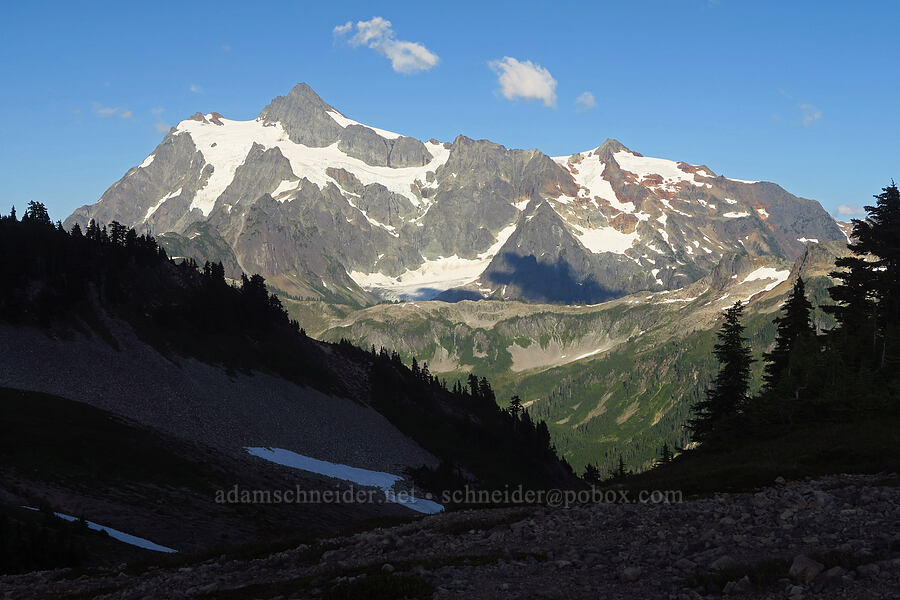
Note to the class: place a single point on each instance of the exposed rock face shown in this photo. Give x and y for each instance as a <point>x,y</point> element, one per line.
<point>328,207</point>
<point>363,143</point>
<point>304,117</point>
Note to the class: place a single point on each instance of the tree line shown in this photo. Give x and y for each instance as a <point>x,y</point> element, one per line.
<point>80,279</point>
<point>850,371</point>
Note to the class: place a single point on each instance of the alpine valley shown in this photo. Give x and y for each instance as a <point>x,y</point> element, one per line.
<point>590,284</point>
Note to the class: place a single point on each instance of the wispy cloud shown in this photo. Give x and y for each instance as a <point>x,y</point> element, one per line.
<point>196,89</point>
<point>524,80</point>
<point>105,112</point>
<point>846,210</point>
<point>585,102</point>
<point>160,125</point>
<point>809,114</point>
<point>377,33</point>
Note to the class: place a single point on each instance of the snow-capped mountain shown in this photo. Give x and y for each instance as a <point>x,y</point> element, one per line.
<point>323,206</point>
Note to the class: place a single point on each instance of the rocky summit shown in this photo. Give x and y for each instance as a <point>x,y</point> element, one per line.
<point>325,207</point>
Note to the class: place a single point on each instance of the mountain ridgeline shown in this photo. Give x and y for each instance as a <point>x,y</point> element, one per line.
<point>324,207</point>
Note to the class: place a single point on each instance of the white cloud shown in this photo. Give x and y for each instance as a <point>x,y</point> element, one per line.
<point>524,80</point>
<point>585,102</point>
<point>810,114</point>
<point>105,112</point>
<point>377,34</point>
<point>160,126</point>
<point>850,211</point>
<point>196,89</point>
<point>342,30</point>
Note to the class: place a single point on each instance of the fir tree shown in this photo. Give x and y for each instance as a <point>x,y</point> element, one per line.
<point>715,416</point>
<point>515,407</point>
<point>591,474</point>
<point>36,213</point>
<point>620,472</point>
<point>794,327</point>
<point>868,295</point>
<point>665,454</point>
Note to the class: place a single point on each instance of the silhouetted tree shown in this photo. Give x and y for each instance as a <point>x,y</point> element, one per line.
<point>868,295</point>
<point>591,474</point>
<point>715,415</point>
<point>36,213</point>
<point>515,407</point>
<point>794,326</point>
<point>665,454</point>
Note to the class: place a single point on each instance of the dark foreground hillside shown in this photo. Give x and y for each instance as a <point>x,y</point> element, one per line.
<point>133,384</point>
<point>831,537</point>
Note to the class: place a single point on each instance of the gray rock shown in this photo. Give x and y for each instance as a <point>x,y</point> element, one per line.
<point>685,565</point>
<point>742,585</point>
<point>870,571</point>
<point>724,562</point>
<point>805,569</point>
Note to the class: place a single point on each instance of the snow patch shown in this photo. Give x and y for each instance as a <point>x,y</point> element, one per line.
<point>605,239</point>
<point>767,273</point>
<point>345,122</point>
<point>147,161</point>
<point>805,240</point>
<point>127,538</point>
<point>433,276</point>
<point>226,146</point>
<point>378,479</point>
<point>736,215</point>
<point>644,166</point>
<point>590,177</point>
<point>159,203</point>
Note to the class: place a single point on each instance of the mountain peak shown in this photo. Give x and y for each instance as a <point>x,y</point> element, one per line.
<point>300,96</point>
<point>304,116</point>
<point>606,150</point>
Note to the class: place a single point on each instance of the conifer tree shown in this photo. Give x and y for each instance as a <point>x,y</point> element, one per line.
<point>93,231</point>
<point>37,213</point>
<point>591,474</point>
<point>868,295</point>
<point>620,471</point>
<point>665,454</point>
<point>715,416</point>
<point>794,327</point>
<point>515,407</point>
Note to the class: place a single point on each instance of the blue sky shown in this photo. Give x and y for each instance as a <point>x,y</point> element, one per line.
<point>804,94</point>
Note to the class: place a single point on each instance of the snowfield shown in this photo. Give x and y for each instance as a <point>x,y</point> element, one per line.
<point>433,276</point>
<point>226,146</point>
